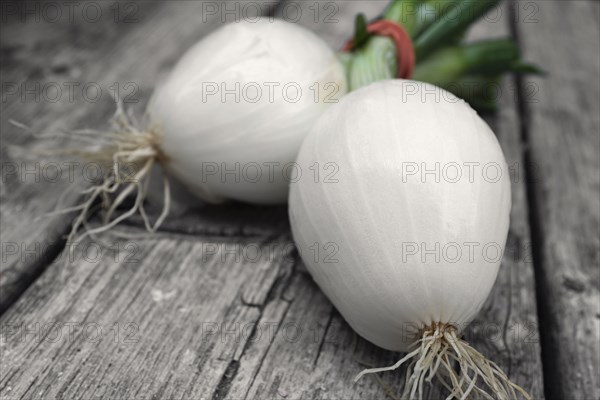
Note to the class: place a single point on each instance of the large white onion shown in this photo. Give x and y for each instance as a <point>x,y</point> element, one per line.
<point>249,140</point>
<point>379,207</point>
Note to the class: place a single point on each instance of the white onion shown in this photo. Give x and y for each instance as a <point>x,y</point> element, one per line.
<point>366,225</point>
<point>227,123</point>
<point>253,138</point>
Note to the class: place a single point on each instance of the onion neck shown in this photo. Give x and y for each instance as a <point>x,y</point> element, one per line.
<point>377,60</point>
<point>374,62</point>
<point>437,29</point>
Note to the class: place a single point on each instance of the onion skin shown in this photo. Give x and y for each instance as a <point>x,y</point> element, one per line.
<point>201,130</point>
<point>376,210</point>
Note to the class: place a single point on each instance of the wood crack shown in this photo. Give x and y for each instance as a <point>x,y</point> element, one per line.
<point>230,374</point>
<point>322,342</point>
<point>536,234</point>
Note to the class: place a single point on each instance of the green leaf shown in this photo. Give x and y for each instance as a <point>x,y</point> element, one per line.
<point>432,11</point>
<point>444,29</point>
<point>405,13</point>
<point>487,58</point>
<point>482,92</point>
<point>527,68</point>
<point>361,36</point>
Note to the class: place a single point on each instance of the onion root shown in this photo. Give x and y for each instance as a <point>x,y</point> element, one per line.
<point>438,349</point>
<point>124,146</point>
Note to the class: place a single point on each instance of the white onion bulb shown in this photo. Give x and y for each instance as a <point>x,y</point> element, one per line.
<point>227,123</point>
<point>382,241</point>
<point>235,109</point>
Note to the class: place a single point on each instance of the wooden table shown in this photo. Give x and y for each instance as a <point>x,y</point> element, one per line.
<point>186,314</point>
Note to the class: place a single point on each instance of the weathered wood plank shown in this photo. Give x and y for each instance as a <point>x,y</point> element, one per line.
<point>507,329</point>
<point>562,130</point>
<point>165,320</point>
<point>132,49</point>
<point>32,65</point>
<point>230,219</point>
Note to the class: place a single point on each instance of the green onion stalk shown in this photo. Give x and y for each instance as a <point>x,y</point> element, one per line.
<point>437,29</point>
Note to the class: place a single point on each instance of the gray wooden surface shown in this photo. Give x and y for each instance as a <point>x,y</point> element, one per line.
<point>561,133</point>
<point>217,304</point>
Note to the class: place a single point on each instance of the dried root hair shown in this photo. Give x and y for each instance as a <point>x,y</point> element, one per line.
<point>438,349</point>
<point>125,144</point>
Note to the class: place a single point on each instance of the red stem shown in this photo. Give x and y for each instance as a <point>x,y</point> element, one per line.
<point>405,51</point>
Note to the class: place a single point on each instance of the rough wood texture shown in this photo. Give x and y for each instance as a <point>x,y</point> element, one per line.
<point>182,316</point>
<point>562,129</point>
<point>165,321</point>
<point>507,330</point>
<point>37,54</point>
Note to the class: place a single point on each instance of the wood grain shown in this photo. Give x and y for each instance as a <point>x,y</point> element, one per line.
<point>40,52</point>
<point>506,329</point>
<point>562,130</point>
<point>165,320</point>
